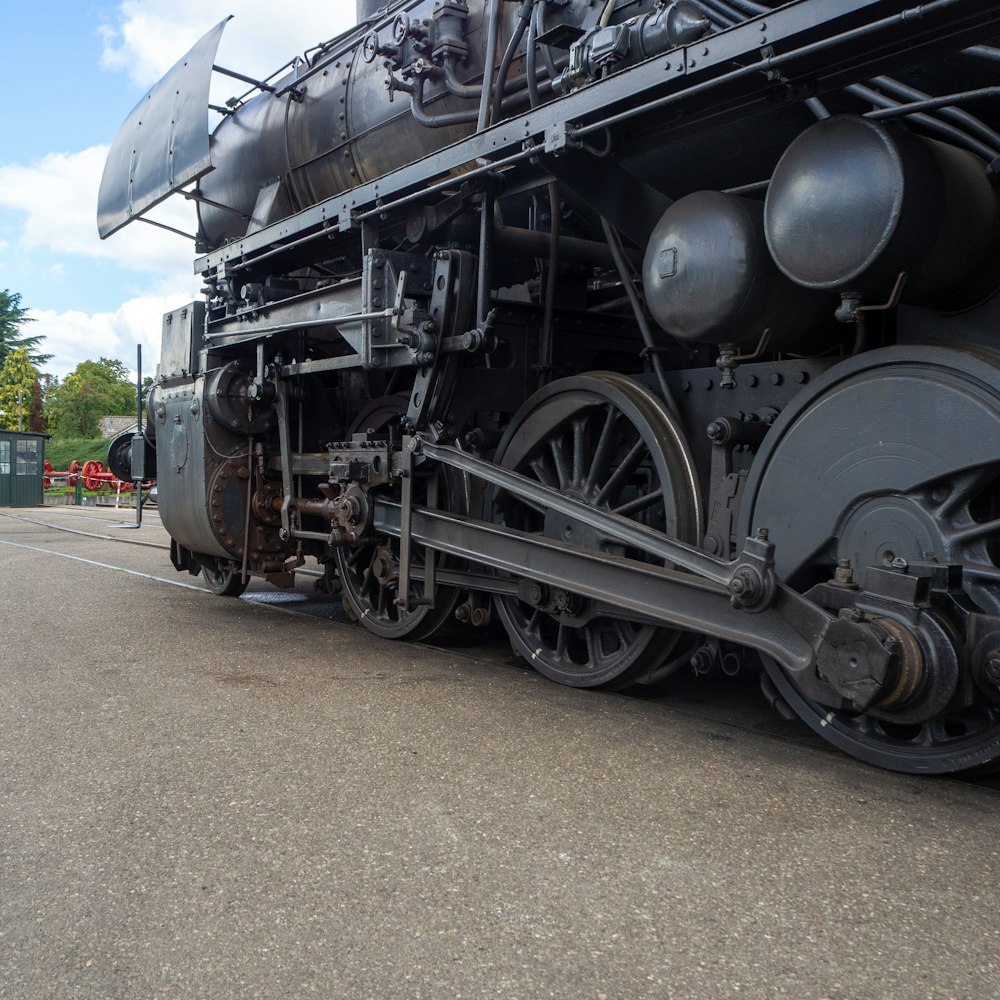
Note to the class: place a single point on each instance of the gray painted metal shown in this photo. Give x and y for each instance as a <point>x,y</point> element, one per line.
<point>164,143</point>
<point>793,631</point>
<point>369,8</point>
<point>180,466</point>
<point>181,340</point>
<point>927,208</point>
<point>706,575</point>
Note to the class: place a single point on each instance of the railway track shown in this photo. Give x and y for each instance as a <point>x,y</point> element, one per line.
<point>87,534</point>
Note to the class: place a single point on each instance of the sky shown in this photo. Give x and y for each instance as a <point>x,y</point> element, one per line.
<point>80,67</point>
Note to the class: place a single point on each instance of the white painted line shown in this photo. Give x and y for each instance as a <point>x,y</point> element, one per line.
<point>87,534</point>
<point>117,569</point>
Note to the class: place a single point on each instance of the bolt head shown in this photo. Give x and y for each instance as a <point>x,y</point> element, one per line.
<point>992,670</point>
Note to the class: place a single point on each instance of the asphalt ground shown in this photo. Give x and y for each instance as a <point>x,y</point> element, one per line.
<point>208,797</point>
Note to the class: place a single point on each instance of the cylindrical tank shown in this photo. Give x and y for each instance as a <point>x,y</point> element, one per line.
<point>369,8</point>
<point>343,127</point>
<point>342,130</point>
<point>853,203</point>
<point>708,277</point>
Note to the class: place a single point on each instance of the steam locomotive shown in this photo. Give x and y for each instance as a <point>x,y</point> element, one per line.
<point>664,331</point>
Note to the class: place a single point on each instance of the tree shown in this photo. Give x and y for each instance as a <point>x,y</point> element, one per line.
<point>37,422</point>
<point>12,317</point>
<point>17,382</point>
<point>94,389</point>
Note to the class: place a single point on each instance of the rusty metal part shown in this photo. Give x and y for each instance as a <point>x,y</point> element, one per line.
<point>349,515</point>
<point>267,503</point>
<point>911,668</point>
<point>385,566</point>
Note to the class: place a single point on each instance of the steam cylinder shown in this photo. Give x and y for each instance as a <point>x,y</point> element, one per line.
<point>854,202</point>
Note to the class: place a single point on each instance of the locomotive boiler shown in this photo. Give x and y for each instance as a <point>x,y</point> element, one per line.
<point>665,332</point>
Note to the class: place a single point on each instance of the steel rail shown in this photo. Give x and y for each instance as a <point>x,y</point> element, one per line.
<point>86,534</point>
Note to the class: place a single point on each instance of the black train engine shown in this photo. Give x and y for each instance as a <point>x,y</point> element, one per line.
<point>665,332</point>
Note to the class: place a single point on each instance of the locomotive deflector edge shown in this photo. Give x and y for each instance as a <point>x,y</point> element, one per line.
<point>164,143</point>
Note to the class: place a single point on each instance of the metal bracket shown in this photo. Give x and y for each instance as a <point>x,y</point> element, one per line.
<point>411,445</point>
<point>285,451</point>
<point>560,138</point>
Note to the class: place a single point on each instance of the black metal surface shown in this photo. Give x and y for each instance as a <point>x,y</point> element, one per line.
<point>709,277</point>
<point>610,443</point>
<point>890,490</point>
<point>853,204</point>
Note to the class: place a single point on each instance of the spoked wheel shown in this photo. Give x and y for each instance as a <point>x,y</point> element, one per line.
<point>605,439</point>
<point>369,573</point>
<point>223,582</point>
<point>892,459</point>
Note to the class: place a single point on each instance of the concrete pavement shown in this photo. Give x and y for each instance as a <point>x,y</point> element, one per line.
<point>202,797</point>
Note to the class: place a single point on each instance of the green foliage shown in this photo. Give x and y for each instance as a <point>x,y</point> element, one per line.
<point>37,421</point>
<point>61,451</point>
<point>12,317</point>
<point>17,382</point>
<point>93,390</point>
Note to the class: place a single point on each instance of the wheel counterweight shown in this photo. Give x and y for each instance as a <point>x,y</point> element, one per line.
<point>886,474</point>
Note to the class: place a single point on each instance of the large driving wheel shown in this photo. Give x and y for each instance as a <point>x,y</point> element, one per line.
<point>607,440</point>
<point>369,572</point>
<point>893,459</point>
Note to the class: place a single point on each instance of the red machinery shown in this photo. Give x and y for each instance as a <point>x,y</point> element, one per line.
<point>93,474</point>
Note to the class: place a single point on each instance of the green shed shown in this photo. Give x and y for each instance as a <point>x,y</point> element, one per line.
<point>22,468</point>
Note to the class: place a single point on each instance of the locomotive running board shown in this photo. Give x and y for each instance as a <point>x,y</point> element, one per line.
<point>752,65</point>
<point>833,658</point>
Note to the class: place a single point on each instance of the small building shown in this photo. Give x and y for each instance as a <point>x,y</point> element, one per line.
<point>22,468</point>
<point>113,426</point>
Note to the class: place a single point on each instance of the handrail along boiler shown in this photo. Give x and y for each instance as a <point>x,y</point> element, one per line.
<point>666,331</point>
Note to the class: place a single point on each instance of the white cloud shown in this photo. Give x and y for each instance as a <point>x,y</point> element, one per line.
<point>53,202</point>
<point>79,336</point>
<point>149,36</point>
<point>57,197</point>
